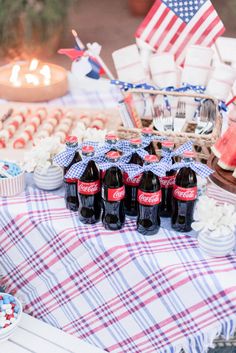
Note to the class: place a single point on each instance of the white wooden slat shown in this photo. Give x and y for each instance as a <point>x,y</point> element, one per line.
<point>56,336</point>
<point>35,343</point>
<point>10,347</point>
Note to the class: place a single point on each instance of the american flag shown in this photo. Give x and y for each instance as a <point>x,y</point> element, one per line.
<point>172,25</point>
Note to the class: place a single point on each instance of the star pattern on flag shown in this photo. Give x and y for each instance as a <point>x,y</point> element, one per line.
<point>185,9</point>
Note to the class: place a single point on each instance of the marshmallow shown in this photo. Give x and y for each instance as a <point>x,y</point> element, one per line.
<point>128,64</point>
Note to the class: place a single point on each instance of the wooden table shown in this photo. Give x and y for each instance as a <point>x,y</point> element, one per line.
<point>34,336</point>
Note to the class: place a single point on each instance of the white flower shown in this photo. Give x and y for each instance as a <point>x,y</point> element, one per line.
<point>217,220</point>
<point>42,153</point>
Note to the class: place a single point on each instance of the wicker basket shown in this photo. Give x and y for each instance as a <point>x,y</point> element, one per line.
<point>202,143</point>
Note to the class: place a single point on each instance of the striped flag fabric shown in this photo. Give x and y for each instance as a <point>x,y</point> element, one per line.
<point>172,25</point>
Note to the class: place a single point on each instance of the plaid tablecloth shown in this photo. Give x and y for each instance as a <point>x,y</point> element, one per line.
<point>121,291</point>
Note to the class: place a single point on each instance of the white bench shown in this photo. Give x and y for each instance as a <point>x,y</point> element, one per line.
<point>34,336</point>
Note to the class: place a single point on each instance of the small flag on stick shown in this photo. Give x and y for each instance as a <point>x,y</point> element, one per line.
<point>173,25</point>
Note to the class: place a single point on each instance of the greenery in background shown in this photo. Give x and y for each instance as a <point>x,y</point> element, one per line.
<point>25,22</point>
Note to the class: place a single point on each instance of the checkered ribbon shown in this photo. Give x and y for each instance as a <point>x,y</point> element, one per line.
<point>63,159</point>
<point>199,168</point>
<point>131,150</point>
<point>158,169</point>
<point>78,169</point>
<point>130,169</point>
<point>168,155</point>
<point>148,139</point>
<point>121,145</point>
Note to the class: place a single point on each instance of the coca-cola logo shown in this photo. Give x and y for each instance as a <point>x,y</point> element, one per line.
<point>148,198</point>
<point>116,194</point>
<point>89,188</point>
<point>185,194</point>
<point>132,182</point>
<point>167,182</point>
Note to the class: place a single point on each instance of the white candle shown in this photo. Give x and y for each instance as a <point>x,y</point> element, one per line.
<point>14,78</point>
<point>33,65</point>
<point>46,73</point>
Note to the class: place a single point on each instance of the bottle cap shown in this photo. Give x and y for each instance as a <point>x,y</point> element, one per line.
<point>147,131</point>
<point>188,154</point>
<point>136,142</point>
<point>111,137</point>
<point>113,155</point>
<point>87,149</point>
<point>151,158</point>
<point>168,144</point>
<point>71,139</point>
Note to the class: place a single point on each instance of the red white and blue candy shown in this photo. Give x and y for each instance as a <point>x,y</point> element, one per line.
<point>9,310</point>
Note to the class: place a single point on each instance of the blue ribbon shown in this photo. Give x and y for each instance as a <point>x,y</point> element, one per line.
<point>199,168</point>
<point>128,168</point>
<point>78,169</point>
<point>131,150</point>
<point>158,169</point>
<point>222,106</point>
<point>63,159</point>
<point>168,155</point>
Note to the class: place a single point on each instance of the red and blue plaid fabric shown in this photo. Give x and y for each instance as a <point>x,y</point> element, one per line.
<point>121,291</point>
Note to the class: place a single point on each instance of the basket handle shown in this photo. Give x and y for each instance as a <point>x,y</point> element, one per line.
<point>173,93</point>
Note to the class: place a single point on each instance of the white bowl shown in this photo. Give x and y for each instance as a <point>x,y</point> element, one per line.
<point>5,333</point>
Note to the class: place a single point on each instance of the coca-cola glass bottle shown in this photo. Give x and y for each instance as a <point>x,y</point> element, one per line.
<point>184,196</point>
<point>149,199</point>
<point>71,196</point>
<point>147,132</point>
<point>113,194</point>
<point>167,183</point>
<point>131,185</point>
<point>89,190</point>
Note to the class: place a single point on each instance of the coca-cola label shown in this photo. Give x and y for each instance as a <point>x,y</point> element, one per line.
<point>185,194</point>
<point>167,181</point>
<point>132,182</point>
<point>149,198</point>
<point>88,188</point>
<point>116,194</point>
<point>71,181</point>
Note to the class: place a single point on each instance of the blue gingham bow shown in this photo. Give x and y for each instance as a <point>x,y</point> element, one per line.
<point>168,155</point>
<point>128,168</point>
<point>131,150</point>
<point>78,169</point>
<point>121,145</point>
<point>201,169</point>
<point>64,158</point>
<point>148,139</point>
<point>158,169</point>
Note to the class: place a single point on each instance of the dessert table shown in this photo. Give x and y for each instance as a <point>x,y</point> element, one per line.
<point>119,291</point>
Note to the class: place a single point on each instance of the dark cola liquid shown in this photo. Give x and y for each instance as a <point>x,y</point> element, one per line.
<point>71,196</point>
<point>89,195</point>
<point>182,216</point>
<point>131,205</point>
<point>113,212</point>
<point>150,149</point>
<point>166,207</point>
<point>148,221</point>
